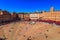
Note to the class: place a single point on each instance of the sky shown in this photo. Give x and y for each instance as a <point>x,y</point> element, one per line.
<point>29,5</point>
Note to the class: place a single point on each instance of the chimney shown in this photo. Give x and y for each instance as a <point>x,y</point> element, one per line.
<point>52,9</point>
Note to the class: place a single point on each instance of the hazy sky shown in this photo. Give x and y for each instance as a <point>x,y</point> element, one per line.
<point>29,5</point>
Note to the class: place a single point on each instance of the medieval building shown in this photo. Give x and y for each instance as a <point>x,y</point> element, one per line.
<point>30,26</point>
<point>51,15</point>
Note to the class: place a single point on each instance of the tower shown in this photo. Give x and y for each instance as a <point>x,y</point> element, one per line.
<point>51,9</point>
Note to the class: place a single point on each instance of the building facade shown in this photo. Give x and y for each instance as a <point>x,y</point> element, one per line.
<point>26,17</point>
<point>51,15</point>
<point>34,16</point>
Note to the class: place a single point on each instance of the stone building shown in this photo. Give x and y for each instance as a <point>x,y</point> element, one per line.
<point>52,15</point>
<point>34,16</point>
<point>21,16</point>
<point>49,15</point>
<point>26,16</point>
<point>4,12</point>
<point>4,16</point>
<point>14,16</point>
